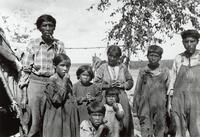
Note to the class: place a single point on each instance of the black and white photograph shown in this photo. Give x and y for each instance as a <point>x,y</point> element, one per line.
<point>99,68</point>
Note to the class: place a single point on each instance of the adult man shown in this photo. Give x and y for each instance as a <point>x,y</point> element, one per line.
<point>185,88</point>
<point>38,67</point>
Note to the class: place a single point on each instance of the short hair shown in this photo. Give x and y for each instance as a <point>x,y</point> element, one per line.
<point>84,68</point>
<point>112,91</point>
<point>155,49</point>
<point>114,49</point>
<point>96,107</point>
<point>45,17</point>
<point>190,33</point>
<point>60,57</point>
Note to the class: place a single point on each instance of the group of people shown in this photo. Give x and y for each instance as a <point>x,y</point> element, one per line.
<point>51,105</point>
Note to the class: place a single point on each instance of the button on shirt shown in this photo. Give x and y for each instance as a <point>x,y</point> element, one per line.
<point>38,56</point>
<point>180,60</point>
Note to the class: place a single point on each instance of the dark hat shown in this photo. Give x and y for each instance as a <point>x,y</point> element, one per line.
<point>155,49</point>
<point>190,33</point>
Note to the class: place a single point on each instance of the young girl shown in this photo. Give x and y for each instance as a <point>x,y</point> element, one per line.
<point>114,113</point>
<point>85,91</point>
<point>61,116</point>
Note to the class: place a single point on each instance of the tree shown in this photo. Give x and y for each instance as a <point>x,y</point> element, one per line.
<point>145,22</point>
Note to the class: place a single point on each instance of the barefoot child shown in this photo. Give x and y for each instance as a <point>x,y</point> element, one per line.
<point>150,95</point>
<point>85,91</point>
<point>61,117</point>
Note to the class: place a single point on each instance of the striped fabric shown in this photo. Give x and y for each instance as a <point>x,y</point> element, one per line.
<point>38,56</point>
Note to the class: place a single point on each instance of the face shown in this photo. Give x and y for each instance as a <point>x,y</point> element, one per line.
<point>190,44</point>
<point>96,119</point>
<point>47,28</point>
<point>113,59</point>
<point>62,68</point>
<point>111,99</point>
<point>153,58</point>
<point>85,77</point>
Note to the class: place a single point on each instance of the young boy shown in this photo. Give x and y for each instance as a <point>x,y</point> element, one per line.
<point>150,95</point>
<point>114,113</point>
<point>95,126</point>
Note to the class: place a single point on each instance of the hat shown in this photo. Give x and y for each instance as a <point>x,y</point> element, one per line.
<point>155,49</point>
<point>190,33</point>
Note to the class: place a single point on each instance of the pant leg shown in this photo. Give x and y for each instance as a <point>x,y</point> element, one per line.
<point>159,124</point>
<point>128,119</point>
<point>36,103</point>
<point>145,125</point>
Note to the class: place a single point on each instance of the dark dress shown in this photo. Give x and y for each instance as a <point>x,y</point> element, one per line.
<point>61,115</point>
<point>80,91</point>
<point>103,77</point>
<point>150,101</point>
<point>186,100</point>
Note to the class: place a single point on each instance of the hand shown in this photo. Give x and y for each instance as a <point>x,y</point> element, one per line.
<point>117,84</point>
<point>15,108</point>
<point>115,107</point>
<point>89,97</point>
<point>102,126</point>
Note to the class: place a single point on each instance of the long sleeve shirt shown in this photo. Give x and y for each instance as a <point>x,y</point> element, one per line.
<point>180,60</point>
<point>38,56</point>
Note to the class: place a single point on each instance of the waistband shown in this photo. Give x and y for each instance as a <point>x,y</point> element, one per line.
<point>40,78</point>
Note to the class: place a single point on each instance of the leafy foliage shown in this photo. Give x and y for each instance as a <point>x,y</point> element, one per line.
<point>145,22</point>
<point>19,31</point>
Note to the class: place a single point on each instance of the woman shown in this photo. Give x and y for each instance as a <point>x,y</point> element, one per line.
<point>114,74</point>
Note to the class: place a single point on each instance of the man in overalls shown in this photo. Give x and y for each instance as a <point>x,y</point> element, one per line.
<point>184,88</point>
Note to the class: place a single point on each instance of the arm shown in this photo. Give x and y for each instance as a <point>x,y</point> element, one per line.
<point>97,93</point>
<point>119,111</point>
<point>79,100</point>
<point>175,67</point>
<point>129,80</point>
<point>27,62</point>
<point>62,47</point>
<point>98,80</point>
<point>137,92</point>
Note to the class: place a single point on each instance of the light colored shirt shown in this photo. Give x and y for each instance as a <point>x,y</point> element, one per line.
<point>87,129</point>
<point>180,60</point>
<point>38,56</point>
<point>113,123</point>
<point>114,72</point>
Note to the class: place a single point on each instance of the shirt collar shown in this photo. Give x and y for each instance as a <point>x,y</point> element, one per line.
<point>53,45</point>
<point>197,52</point>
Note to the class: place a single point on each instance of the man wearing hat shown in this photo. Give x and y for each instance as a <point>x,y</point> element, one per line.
<point>184,87</point>
<point>149,102</point>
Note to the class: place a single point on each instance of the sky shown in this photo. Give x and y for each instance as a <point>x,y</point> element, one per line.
<point>76,26</point>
